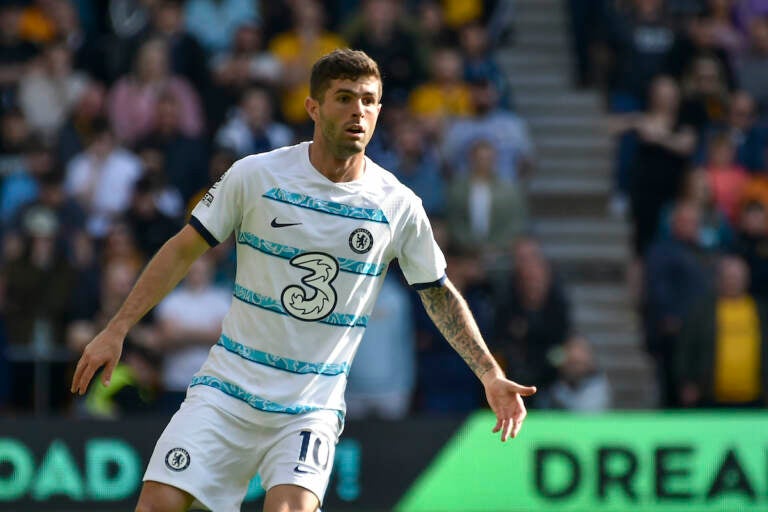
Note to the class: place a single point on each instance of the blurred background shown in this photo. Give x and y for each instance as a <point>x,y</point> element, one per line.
<point>595,171</point>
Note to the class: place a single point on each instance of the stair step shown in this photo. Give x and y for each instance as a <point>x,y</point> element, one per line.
<point>568,185</point>
<point>573,102</point>
<point>540,18</point>
<point>549,79</point>
<point>560,202</point>
<point>514,61</point>
<point>547,165</point>
<point>581,228</point>
<point>527,38</point>
<point>600,294</point>
<point>572,251</point>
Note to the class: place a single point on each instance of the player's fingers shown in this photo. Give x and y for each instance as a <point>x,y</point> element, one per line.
<point>106,375</point>
<point>507,429</point>
<point>525,390</point>
<point>76,377</point>
<point>86,377</point>
<point>517,424</point>
<point>498,425</point>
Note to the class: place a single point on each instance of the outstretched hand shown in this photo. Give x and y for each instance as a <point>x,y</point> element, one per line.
<point>104,350</point>
<point>505,398</point>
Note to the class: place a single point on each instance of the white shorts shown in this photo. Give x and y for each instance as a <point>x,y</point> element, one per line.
<point>213,455</point>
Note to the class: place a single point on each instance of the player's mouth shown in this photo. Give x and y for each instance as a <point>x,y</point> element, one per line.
<point>356,131</point>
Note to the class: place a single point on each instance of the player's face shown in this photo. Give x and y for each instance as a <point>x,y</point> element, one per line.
<point>347,115</point>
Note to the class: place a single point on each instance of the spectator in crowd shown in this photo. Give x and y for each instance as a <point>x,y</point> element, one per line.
<point>252,129</point>
<point>87,47</point>
<point>722,360</point>
<point>747,10</point>
<point>749,138</point>
<point>70,217</point>
<point>580,386</point>
<point>38,291</point>
<point>416,163</point>
<point>184,154</point>
<point>383,378</point>
<point>727,178</point>
<point>664,146</point>
<point>446,95</point>
<point>507,131</point>
<point>725,31</point>
<point>166,197</point>
<point>48,92</point>
<point>14,133</point>
<point>696,41</point>
<point>533,318</point>
<point>753,66</point>
<point>752,245</point>
<point>132,102</point>
<point>101,179</point>
<point>381,32</point>
<point>16,53</point>
<point>213,22</point>
<point>704,95</point>
<point>122,246</point>
<point>479,63</point>
<point>77,129</point>
<point>151,227</point>
<point>38,21</point>
<point>187,58</point>
<point>234,72</point>
<point>134,389</point>
<point>431,27</point>
<point>296,51</point>
<point>640,38</point>
<point>715,231</point>
<point>21,185</point>
<point>483,210</point>
<point>189,321</point>
<point>676,275</point>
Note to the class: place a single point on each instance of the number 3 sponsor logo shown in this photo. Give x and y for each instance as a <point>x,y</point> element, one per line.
<point>320,300</point>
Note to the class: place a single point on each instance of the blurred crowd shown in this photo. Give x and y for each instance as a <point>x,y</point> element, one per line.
<point>686,86</point>
<point>115,118</point>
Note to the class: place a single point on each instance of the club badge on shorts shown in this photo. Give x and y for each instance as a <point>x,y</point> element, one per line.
<point>177,459</point>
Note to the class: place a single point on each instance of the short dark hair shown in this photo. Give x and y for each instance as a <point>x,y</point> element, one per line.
<point>341,63</point>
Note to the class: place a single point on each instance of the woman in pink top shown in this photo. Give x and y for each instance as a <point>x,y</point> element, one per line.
<point>133,98</point>
<point>726,177</point>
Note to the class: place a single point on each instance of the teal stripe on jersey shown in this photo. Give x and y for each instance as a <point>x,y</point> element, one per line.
<point>330,207</point>
<point>288,252</point>
<point>282,363</point>
<point>254,401</point>
<point>270,304</point>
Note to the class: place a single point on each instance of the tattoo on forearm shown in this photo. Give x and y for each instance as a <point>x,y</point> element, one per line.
<point>450,313</point>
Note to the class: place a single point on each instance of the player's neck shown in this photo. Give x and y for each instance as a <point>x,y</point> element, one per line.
<point>338,170</point>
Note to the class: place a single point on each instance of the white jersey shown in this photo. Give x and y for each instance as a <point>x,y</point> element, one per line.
<point>311,257</point>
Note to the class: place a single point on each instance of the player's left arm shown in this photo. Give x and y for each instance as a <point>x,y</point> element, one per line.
<point>450,313</point>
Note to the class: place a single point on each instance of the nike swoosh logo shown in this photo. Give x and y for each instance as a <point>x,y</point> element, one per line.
<point>299,470</point>
<point>276,224</point>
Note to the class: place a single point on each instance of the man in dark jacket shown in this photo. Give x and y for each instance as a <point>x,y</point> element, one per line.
<point>676,275</point>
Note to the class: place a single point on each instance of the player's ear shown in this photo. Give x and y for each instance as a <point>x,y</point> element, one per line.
<point>312,106</point>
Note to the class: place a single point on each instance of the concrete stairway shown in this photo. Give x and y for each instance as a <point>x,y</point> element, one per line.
<point>569,195</point>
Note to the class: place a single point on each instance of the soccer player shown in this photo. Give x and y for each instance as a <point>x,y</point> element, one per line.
<point>316,225</point>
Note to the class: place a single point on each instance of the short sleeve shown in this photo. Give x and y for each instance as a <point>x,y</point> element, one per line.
<point>419,256</point>
<point>220,210</point>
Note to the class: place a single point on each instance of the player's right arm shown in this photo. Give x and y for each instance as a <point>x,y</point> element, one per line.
<point>161,275</point>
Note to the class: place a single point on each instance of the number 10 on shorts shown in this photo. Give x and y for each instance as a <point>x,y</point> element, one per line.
<point>315,451</point>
